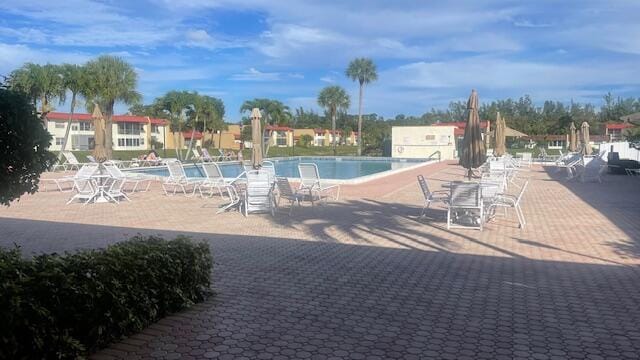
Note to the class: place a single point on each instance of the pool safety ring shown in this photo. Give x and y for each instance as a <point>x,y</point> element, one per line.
<point>400,149</point>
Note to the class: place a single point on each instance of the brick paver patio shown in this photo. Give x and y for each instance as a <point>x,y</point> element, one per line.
<point>364,278</point>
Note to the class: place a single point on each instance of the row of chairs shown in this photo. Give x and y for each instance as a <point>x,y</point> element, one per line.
<point>253,190</point>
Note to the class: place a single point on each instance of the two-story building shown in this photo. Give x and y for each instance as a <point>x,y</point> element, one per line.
<point>129,132</point>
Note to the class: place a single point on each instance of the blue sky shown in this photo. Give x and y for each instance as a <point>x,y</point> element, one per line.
<point>428,52</point>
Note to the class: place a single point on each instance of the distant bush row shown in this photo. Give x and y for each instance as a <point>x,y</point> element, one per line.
<point>65,306</point>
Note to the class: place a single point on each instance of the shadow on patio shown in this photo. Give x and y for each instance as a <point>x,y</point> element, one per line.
<point>302,299</point>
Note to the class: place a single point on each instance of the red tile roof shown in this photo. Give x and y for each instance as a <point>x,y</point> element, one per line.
<point>187,135</point>
<point>277,128</point>
<point>58,116</point>
<point>618,126</point>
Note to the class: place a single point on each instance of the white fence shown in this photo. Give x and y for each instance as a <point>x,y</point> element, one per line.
<point>622,148</point>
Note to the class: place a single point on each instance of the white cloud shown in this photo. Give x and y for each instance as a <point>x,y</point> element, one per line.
<point>327,79</point>
<point>252,74</point>
<point>14,56</point>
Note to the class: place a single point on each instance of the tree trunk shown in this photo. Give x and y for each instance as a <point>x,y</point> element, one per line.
<point>333,130</point>
<point>108,134</point>
<point>359,137</point>
<point>68,129</point>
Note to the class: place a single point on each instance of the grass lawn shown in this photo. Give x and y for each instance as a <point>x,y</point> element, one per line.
<point>535,151</point>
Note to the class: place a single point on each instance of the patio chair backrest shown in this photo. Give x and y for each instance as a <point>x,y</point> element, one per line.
<point>309,175</point>
<point>113,170</point>
<point>91,158</point>
<point>270,168</point>
<point>87,170</point>
<point>465,195</point>
<point>212,171</point>
<point>284,188</point>
<point>258,191</point>
<point>424,187</point>
<point>196,154</point>
<point>71,158</point>
<point>176,171</point>
<point>84,185</point>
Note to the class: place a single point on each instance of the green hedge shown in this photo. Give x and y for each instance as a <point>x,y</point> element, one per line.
<point>65,306</point>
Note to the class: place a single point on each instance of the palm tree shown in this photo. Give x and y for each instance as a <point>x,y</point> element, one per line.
<point>174,104</point>
<point>274,112</point>
<point>74,80</point>
<point>110,80</point>
<point>333,99</point>
<point>364,71</point>
<point>40,82</point>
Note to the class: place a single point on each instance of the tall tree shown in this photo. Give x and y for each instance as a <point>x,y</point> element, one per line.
<point>274,112</point>
<point>73,80</point>
<point>174,105</point>
<point>364,71</point>
<point>40,82</point>
<point>111,80</point>
<point>334,99</point>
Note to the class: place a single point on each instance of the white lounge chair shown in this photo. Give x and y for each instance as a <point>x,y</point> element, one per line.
<point>285,191</point>
<point>196,155</point>
<point>270,168</point>
<point>430,196</point>
<point>116,189</point>
<point>224,157</point>
<point>214,179</point>
<point>511,201</point>
<point>178,179</point>
<point>71,161</point>
<point>310,182</point>
<point>128,178</point>
<point>258,195</point>
<point>86,190</point>
<point>85,171</point>
<point>465,206</point>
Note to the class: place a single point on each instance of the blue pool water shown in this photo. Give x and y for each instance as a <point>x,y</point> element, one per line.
<point>329,167</point>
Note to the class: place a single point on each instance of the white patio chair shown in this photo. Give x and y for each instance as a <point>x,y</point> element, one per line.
<point>511,201</point>
<point>258,195</point>
<point>128,178</point>
<point>224,157</point>
<point>91,159</point>
<point>310,182</point>
<point>285,191</point>
<point>85,171</point>
<point>235,200</point>
<point>178,179</point>
<point>196,155</point>
<point>71,161</point>
<point>86,190</point>
<point>115,190</point>
<point>431,196</point>
<point>593,172</point>
<point>270,168</point>
<point>465,205</point>
<point>213,179</point>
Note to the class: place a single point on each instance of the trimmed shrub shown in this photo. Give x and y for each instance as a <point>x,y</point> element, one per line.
<point>65,306</point>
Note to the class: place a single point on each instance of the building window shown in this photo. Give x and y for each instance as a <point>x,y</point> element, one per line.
<point>86,126</point>
<point>129,128</point>
<point>141,141</point>
<point>120,142</point>
<point>59,125</point>
<point>130,142</point>
<point>154,129</point>
<point>74,127</point>
<point>281,139</point>
<point>59,141</point>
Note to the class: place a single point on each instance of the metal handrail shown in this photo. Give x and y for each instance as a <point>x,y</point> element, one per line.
<point>436,152</point>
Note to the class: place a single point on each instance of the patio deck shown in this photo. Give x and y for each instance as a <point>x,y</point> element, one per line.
<point>365,278</point>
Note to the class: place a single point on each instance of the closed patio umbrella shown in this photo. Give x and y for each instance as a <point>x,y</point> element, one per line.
<point>99,152</point>
<point>473,153</point>
<point>572,137</point>
<point>500,146</point>
<point>256,136</point>
<point>586,147</point>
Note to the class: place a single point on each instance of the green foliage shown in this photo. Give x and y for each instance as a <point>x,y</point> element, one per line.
<point>55,306</point>
<point>274,112</point>
<point>23,145</point>
<point>305,140</point>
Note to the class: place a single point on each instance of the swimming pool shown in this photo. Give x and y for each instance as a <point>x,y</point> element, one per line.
<point>338,169</point>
